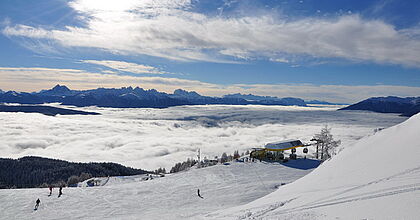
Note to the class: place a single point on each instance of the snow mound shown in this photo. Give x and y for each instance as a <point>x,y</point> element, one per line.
<point>376,178</point>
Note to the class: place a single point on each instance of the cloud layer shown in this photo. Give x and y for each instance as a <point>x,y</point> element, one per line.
<point>151,138</point>
<point>170,29</point>
<point>126,66</point>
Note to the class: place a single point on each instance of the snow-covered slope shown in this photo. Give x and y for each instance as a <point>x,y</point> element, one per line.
<point>171,197</point>
<point>377,178</point>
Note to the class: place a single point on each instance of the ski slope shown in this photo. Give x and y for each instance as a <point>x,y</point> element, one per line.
<point>376,178</point>
<point>171,197</point>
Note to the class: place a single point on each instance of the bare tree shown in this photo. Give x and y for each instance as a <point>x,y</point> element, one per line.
<point>327,142</point>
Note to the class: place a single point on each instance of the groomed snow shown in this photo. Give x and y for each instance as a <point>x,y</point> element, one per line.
<point>377,178</point>
<point>171,197</point>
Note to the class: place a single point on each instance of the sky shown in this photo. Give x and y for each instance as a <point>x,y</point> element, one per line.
<point>339,51</point>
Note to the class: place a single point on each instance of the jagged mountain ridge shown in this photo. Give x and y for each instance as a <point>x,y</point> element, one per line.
<point>128,97</point>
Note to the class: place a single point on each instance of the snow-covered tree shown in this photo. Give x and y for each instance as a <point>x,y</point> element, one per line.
<point>84,176</point>
<point>73,180</point>
<point>327,143</point>
<point>183,166</point>
<point>160,171</point>
<point>224,158</point>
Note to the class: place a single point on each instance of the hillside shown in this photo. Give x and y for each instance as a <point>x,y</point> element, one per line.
<point>376,178</point>
<point>29,172</point>
<point>46,110</point>
<point>405,106</point>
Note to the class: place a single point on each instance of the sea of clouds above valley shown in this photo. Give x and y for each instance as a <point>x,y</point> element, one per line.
<point>152,138</point>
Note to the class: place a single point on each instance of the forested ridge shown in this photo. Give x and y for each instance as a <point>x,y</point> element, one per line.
<point>28,172</point>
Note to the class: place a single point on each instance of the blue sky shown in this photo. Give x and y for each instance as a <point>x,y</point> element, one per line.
<point>341,51</point>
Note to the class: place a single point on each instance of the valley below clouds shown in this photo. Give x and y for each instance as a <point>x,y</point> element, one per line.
<point>153,138</point>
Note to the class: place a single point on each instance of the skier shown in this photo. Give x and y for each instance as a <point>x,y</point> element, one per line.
<point>60,192</point>
<point>37,204</point>
<point>198,193</point>
<point>50,187</point>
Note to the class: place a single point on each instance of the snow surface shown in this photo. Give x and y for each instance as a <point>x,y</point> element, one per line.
<point>377,178</point>
<point>171,197</point>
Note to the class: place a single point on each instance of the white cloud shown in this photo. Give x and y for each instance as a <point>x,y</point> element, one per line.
<point>127,67</point>
<point>169,29</point>
<point>152,138</point>
<point>35,79</point>
<point>27,31</point>
<point>280,60</point>
<point>109,72</point>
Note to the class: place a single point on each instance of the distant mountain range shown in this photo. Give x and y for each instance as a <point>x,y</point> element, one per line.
<point>128,97</point>
<point>267,100</point>
<point>318,102</point>
<point>405,106</point>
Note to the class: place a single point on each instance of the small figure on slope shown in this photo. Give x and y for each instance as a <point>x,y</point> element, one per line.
<point>37,204</point>
<point>50,187</point>
<point>198,193</point>
<point>60,191</point>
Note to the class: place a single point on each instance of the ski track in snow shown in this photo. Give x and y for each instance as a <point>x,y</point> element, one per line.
<point>336,199</point>
<point>332,198</point>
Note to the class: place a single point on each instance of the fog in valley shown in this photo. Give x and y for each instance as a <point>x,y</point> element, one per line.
<point>152,138</point>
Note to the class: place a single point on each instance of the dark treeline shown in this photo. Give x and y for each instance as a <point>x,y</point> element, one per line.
<point>183,165</point>
<point>28,172</point>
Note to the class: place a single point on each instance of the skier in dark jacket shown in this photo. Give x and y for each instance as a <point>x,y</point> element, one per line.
<point>198,193</point>
<point>60,191</point>
<point>37,204</point>
<point>50,187</point>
